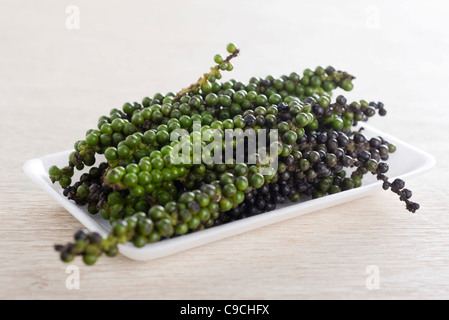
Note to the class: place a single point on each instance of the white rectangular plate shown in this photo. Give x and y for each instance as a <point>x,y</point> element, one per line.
<point>406,162</point>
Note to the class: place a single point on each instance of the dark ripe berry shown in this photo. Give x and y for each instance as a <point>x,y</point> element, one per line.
<point>318,110</point>
<point>383,150</point>
<point>85,177</point>
<point>332,135</point>
<point>279,199</point>
<point>370,111</point>
<point>352,154</point>
<point>265,189</point>
<point>342,139</point>
<point>375,154</point>
<point>235,212</point>
<point>375,142</point>
<point>302,139</point>
<point>249,196</point>
<point>311,138</point>
<point>76,185</point>
<point>415,206</point>
<point>265,83</point>
<point>59,247</point>
<point>364,156</point>
<point>253,211</point>
<point>81,235</point>
<point>274,188</point>
<point>398,184</point>
<point>243,208</point>
<point>66,191</point>
<point>285,175</point>
<point>270,206</point>
<point>339,153</point>
<point>250,120</point>
<point>260,120</point>
<point>332,144</point>
<point>244,214</point>
<point>337,180</point>
<point>322,155</point>
<point>251,201</point>
<point>322,170</point>
<point>330,70</point>
<point>337,168</point>
<point>286,116</point>
<point>282,107</point>
<point>347,161</point>
<point>299,175</point>
<point>301,187</point>
<point>407,193</point>
<point>95,238</point>
<point>341,100</point>
<point>359,138</point>
<point>288,161</point>
<point>285,190</point>
<point>322,138</point>
<point>382,112</point>
<point>292,192</point>
<point>382,167</point>
<point>103,166</point>
<point>194,207</point>
<point>309,100</point>
<point>70,248</point>
<point>260,204</point>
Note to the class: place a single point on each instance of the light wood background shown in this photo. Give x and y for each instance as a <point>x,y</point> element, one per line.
<point>56,82</point>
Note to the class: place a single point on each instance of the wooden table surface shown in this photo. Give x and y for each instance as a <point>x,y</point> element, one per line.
<point>56,81</point>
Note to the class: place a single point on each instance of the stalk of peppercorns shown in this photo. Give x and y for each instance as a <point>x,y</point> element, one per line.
<point>148,194</point>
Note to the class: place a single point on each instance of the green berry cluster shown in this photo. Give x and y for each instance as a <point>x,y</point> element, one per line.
<point>147,195</point>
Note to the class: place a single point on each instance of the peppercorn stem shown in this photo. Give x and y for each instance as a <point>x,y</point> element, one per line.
<point>213,72</point>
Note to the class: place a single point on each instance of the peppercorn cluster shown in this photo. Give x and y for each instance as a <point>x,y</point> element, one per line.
<point>147,196</point>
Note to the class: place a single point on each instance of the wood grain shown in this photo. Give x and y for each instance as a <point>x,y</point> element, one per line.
<point>56,82</point>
